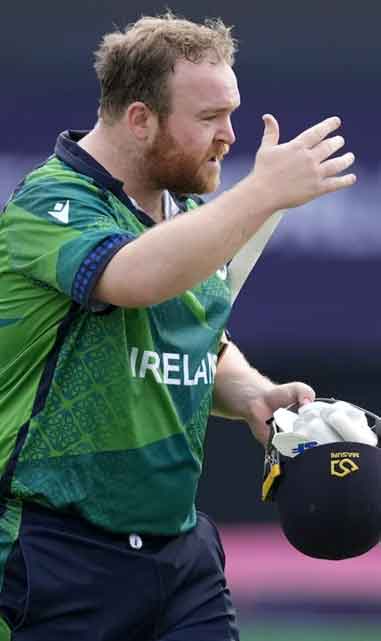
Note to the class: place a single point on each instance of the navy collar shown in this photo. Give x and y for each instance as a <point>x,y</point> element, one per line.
<point>72,154</point>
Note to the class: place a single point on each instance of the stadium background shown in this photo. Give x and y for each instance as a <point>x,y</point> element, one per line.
<point>310,310</point>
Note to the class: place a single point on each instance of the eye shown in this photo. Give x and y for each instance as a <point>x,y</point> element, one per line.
<point>211,117</point>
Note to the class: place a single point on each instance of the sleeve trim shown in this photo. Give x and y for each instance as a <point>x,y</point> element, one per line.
<point>92,267</point>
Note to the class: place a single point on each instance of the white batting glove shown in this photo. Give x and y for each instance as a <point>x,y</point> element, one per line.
<point>318,423</point>
<point>350,422</point>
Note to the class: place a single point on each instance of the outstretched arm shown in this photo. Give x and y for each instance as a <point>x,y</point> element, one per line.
<point>176,255</point>
<point>241,392</point>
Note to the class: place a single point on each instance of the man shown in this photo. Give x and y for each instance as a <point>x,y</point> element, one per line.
<point>113,351</point>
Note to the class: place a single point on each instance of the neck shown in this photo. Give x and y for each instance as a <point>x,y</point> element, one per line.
<point>107,146</point>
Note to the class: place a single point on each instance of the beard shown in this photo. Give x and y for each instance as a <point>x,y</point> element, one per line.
<point>168,166</point>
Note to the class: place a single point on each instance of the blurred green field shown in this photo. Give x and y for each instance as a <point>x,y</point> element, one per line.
<point>312,633</point>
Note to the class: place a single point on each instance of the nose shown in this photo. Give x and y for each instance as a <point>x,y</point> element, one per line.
<point>227,134</point>
<point>230,133</point>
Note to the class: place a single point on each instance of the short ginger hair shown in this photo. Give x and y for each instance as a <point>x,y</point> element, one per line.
<point>135,64</point>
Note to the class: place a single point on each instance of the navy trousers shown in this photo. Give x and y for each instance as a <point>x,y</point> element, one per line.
<point>68,581</point>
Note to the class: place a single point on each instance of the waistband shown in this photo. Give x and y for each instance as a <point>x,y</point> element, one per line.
<point>35,515</point>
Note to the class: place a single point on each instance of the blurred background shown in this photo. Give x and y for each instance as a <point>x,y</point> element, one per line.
<point>309,311</point>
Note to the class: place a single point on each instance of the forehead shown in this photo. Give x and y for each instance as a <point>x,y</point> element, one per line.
<point>204,85</point>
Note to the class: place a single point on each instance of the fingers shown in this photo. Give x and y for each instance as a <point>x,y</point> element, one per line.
<point>335,184</point>
<point>304,393</point>
<point>322,148</point>
<point>302,169</point>
<point>290,393</point>
<point>337,165</point>
<point>271,132</point>
<point>313,136</point>
<point>328,147</point>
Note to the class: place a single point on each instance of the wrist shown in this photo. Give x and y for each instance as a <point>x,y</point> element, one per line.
<point>263,194</point>
<point>256,405</point>
<point>256,199</point>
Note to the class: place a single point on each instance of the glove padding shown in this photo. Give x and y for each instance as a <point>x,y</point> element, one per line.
<point>318,423</point>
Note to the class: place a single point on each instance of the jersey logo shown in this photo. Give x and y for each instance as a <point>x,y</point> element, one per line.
<point>61,212</point>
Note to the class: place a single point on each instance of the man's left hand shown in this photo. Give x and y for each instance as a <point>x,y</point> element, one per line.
<point>264,406</point>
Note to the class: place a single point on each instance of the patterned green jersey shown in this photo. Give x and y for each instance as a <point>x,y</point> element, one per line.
<point>103,409</point>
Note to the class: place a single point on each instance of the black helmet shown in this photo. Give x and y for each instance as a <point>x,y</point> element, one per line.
<point>328,497</point>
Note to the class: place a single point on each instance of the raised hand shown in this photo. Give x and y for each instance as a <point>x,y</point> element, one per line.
<point>301,170</point>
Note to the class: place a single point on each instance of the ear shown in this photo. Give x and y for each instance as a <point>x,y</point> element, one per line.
<point>141,121</point>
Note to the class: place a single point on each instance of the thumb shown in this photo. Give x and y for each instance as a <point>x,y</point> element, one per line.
<point>271,132</point>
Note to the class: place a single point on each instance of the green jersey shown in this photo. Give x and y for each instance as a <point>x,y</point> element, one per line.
<point>103,409</point>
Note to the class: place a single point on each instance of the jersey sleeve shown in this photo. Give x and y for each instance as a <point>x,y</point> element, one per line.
<point>63,235</point>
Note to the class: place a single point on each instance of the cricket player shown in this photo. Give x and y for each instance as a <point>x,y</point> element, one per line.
<point>114,298</point>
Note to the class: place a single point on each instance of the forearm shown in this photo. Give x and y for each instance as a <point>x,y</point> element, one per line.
<point>242,392</point>
<point>237,385</point>
<point>176,255</point>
